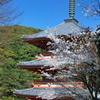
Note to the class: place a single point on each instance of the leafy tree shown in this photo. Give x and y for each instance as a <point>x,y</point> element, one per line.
<point>78,60</point>
<point>12,52</point>
<point>23,51</point>
<point>14,78</point>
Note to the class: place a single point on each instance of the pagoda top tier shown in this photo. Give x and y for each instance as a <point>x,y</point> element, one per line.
<point>67,28</point>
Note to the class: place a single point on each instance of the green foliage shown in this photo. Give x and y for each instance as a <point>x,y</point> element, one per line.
<point>9,34</point>
<point>11,98</point>
<point>14,78</point>
<point>13,51</point>
<point>6,58</point>
<point>23,51</point>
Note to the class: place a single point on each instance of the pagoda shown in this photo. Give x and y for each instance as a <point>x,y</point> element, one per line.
<point>48,89</point>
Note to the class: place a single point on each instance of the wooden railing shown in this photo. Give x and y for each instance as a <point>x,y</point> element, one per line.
<point>58,85</point>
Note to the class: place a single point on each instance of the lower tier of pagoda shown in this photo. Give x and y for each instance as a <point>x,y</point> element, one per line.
<point>48,89</point>
<point>53,94</point>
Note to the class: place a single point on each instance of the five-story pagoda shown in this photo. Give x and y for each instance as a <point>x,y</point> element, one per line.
<point>49,89</point>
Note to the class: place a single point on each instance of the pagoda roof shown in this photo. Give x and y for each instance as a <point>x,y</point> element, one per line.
<point>52,93</point>
<point>32,63</point>
<point>65,28</point>
<point>48,62</point>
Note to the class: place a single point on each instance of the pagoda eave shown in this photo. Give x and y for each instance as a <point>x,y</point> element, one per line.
<point>35,98</point>
<point>38,42</point>
<point>53,93</point>
<point>28,97</point>
<point>34,68</point>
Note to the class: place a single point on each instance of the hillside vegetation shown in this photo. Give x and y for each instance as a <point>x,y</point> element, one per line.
<point>12,51</point>
<point>13,33</point>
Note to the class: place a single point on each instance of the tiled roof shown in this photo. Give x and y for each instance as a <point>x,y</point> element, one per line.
<point>61,29</point>
<point>52,93</point>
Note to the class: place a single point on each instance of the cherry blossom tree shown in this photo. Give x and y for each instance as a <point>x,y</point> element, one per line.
<point>90,7</point>
<point>7,12</point>
<point>76,58</point>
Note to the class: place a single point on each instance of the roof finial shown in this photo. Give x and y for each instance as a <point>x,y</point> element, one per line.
<point>71,9</point>
<point>71,12</point>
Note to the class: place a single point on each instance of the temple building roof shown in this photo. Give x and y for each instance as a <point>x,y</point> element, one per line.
<point>52,93</point>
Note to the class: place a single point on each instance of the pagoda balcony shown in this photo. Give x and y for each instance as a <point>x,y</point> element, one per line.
<point>57,85</point>
<point>40,64</point>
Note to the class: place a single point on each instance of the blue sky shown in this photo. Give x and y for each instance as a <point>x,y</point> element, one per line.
<point>44,14</point>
